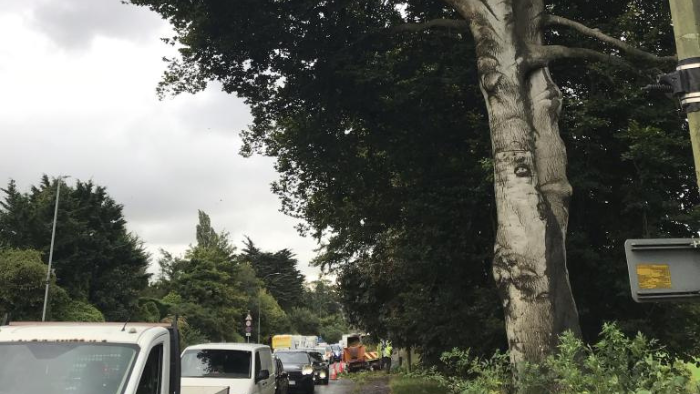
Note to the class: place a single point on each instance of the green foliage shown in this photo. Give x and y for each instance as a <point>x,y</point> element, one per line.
<point>78,311</point>
<point>412,385</point>
<point>304,321</point>
<point>148,312</point>
<point>274,320</point>
<point>332,328</point>
<point>96,259</point>
<point>381,144</point>
<point>278,271</point>
<point>615,364</point>
<point>22,283</point>
<point>207,286</point>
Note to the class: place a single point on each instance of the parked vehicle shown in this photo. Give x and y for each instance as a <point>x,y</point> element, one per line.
<point>281,377</point>
<point>321,367</point>
<point>326,351</point>
<point>288,342</point>
<point>310,341</point>
<point>244,368</point>
<point>357,357</point>
<point>299,367</point>
<point>92,358</point>
<point>337,352</point>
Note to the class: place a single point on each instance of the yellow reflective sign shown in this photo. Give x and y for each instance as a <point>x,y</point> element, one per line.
<point>654,276</point>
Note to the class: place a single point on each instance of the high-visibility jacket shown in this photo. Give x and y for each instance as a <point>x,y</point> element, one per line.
<point>387,349</point>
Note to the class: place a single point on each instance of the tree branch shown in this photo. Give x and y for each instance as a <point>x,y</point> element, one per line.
<point>458,24</point>
<point>553,20</point>
<point>541,55</point>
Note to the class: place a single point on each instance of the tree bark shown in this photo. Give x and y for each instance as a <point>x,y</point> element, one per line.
<point>531,187</point>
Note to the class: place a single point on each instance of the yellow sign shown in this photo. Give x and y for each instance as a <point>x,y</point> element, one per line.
<point>654,276</point>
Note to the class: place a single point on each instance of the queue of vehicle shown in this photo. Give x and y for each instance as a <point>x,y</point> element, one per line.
<point>144,358</point>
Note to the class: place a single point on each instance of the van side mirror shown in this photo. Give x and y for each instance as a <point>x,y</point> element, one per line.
<point>262,375</point>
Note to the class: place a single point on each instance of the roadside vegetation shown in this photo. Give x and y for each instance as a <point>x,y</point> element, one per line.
<point>616,363</point>
<point>100,272</point>
<point>414,385</point>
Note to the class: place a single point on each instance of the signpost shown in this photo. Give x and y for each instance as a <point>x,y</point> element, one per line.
<point>669,269</point>
<point>664,269</point>
<point>248,326</point>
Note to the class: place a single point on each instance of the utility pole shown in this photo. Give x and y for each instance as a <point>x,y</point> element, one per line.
<point>260,300</point>
<point>53,237</point>
<point>686,27</point>
<point>666,269</point>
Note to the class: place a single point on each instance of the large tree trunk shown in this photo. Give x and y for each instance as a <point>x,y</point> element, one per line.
<point>532,191</point>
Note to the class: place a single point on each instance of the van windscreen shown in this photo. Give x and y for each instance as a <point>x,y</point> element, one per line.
<point>65,367</point>
<point>216,363</point>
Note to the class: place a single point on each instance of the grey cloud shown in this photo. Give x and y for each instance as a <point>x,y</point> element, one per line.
<point>74,23</point>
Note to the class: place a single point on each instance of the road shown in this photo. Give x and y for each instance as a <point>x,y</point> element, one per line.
<point>347,386</point>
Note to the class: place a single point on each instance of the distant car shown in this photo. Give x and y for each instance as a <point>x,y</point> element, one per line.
<point>299,367</point>
<point>326,351</point>
<point>337,352</point>
<point>281,377</point>
<point>321,367</point>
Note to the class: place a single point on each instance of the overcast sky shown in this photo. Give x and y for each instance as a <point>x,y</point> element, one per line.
<point>77,97</point>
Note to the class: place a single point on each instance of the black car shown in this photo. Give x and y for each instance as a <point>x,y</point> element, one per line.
<point>281,377</point>
<point>299,367</point>
<point>321,367</point>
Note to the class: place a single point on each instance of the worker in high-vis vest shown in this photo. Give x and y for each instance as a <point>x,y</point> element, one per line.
<point>386,356</point>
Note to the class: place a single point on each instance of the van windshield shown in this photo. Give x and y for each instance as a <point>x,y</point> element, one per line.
<point>70,368</point>
<point>216,363</point>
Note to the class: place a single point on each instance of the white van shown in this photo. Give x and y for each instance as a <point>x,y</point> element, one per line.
<point>243,368</point>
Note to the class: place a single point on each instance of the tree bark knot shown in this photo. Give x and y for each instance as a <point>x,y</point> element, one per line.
<point>513,271</point>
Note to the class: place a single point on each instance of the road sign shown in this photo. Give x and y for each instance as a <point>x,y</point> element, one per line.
<point>248,329</point>
<point>249,317</point>
<point>248,323</point>
<point>663,269</point>
<point>247,334</point>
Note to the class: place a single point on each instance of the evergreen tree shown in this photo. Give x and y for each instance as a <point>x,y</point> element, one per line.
<point>96,259</point>
<point>279,273</point>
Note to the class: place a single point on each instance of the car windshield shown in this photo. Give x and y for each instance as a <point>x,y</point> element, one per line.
<point>216,363</point>
<point>316,356</point>
<point>58,368</point>
<point>294,358</point>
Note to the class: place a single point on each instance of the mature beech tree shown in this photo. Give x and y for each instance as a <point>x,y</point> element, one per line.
<point>291,61</point>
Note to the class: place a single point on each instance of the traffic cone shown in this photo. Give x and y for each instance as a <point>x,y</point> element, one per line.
<point>341,367</point>
<point>334,373</point>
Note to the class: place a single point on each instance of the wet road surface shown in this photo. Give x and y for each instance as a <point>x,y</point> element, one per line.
<point>347,386</point>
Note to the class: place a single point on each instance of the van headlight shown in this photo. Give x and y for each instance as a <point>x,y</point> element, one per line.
<point>323,374</point>
<point>307,370</point>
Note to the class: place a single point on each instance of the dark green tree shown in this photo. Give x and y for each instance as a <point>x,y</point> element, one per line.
<point>95,258</point>
<point>203,286</point>
<point>278,271</point>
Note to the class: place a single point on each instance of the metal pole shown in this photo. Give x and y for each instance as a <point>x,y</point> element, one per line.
<point>260,300</point>
<point>258,317</point>
<point>686,26</point>
<point>53,237</point>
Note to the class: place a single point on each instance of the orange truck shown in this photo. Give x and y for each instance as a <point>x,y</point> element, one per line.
<point>356,356</point>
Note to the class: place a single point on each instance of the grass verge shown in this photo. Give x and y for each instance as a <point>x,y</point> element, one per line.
<point>410,385</point>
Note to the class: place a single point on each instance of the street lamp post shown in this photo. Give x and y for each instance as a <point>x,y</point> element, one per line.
<point>53,237</point>
<point>260,300</point>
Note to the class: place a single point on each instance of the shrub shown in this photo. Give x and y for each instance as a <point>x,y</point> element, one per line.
<point>616,364</point>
